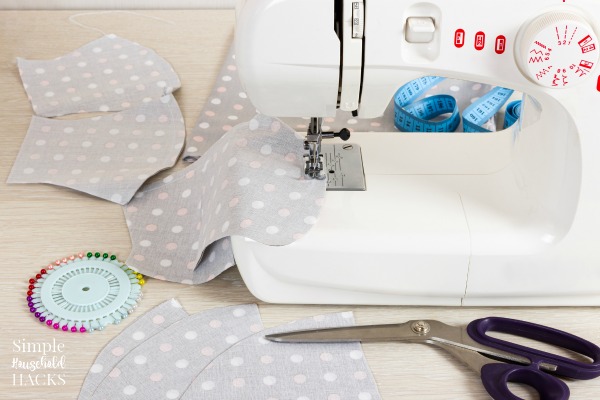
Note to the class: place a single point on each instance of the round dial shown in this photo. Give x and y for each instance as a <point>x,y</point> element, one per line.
<point>558,50</point>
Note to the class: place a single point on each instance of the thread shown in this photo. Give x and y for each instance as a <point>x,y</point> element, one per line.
<point>72,18</point>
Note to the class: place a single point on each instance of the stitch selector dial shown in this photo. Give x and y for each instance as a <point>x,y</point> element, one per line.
<point>557,50</point>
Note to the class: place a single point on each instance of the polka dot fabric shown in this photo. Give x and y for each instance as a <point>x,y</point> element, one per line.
<point>250,183</point>
<point>259,369</point>
<point>108,74</point>
<point>107,156</point>
<point>228,105</point>
<point>141,330</point>
<point>163,366</point>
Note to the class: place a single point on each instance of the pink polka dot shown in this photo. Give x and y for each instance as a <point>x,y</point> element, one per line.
<point>125,104</point>
<point>63,143</point>
<point>190,174</point>
<point>113,82</point>
<point>334,397</point>
<point>246,223</point>
<point>61,68</point>
<point>35,156</point>
<point>207,351</point>
<point>139,257</point>
<point>132,209</point>
<point>118,117</point>
<point>255,164</point>
<point>71,90</point>
<point>290,157</point>
<point>241,142</point>
<point>163,195</point>
<point>156,146</point>
<point>221,89</point>
<point>151,227</point>
<point>109,145</point>
<point>137,132</point>
<point>155,73</point>
<point>140,87</point>
<point>234,202</point>
<point>86,75</point>
<point>231,67</point>
<point>300,379</point>
<point>182,211</point>
<point>115,373</point>
<point>91,130</point>
<point>210,113</point>
<point>375,124</point>
<point>45,129</point>
<point>198,139</point>
<point>360,375</point>
<point>97,95</point>
<point>165,347</point>
<point>266,359</point>
<point>227,127</point>
<point>81,158</point>
<point>269,187</point>
<point>238,382</point>
<point>275,126</point>
<point>171,246</point>
<point>298,236</point>
<point>163,119</point>
<point>255,328</point>
<point>284,212</point>
<point>320,202</point>
<point>238,107</point>
<point>128,159</point>
<point>191,265</point>
<point>118,178</point>
<point>118,351</point>
<point>52,171</point>
<point>326,357</point>
<point>44,83</point>
<point>156,377</point>
<point>215,323</point>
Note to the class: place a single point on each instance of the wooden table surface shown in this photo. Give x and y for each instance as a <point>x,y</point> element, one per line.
<point>40,223</point>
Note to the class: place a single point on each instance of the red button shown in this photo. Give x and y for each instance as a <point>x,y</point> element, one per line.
<point>459,38</point>
<point>479,40</point>
<point>598,84</point>
<point>500,44</point>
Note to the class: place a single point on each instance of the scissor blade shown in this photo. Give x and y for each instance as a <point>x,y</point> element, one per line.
<point>369,333</point>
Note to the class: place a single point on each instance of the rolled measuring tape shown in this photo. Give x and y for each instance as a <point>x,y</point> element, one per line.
<point>410,116</point>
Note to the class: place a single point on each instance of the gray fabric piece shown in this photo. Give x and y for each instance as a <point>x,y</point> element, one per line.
<point>142,329</point>
<point>107,156</point>
<point>228,105</point>
<point>164,366</point>
<point>250,183</point>
<point>108,74</point>
<point>259,369</point>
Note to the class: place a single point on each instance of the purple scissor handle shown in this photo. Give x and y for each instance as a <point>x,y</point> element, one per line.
<point>495,376</point>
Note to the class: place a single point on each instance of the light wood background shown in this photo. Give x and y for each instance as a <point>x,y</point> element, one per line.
<point>40,223</point>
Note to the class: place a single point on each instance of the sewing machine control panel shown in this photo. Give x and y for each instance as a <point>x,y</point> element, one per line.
<point>557,50</point>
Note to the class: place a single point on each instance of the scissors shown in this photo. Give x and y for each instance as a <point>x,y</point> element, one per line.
<point>497,361</point>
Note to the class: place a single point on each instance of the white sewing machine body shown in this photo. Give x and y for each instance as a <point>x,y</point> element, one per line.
<point>503,218</point>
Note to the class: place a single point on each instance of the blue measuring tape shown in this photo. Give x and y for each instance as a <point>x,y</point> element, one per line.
<point>410,116</point>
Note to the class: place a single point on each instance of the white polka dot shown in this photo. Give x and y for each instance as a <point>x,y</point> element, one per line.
<point>138,335</point>
<point>352,121</point>
<point>119,90</point>
<point>232,162</point>
<point>40,70</point>
<point>151,160</point>
<point>226,78</point>
<point>454,88</point>
<point>139,360</point>
<point>28,171</point>
<point>225,226</point>
<point>157,212</point>
<point>133,146</point>
<point>161,84</point>
<point>183,363</point>
<point>129,390</point>
<point>58,157</point>
<point>165,263</point>
<point>364,396</point>
<point>253,124</point>
<point>296,358</point>
<point>149,62</point>
<point>145,243</point>
<point>231,339</point>
<point>66,79</point>
<point>86,144</point>
<point>310,220</point>
<point>105,159</point>
<point>258,204</point>
<point>94,180</point>
<point>75,98</point>
<point>140,118</point>
<point>216,101</point>
<point>186,193</point>
<point>208,385</point>
<point>266,150</point>
<point>356,354</point>
<point>92,86</point>
<point>271,230</point>
<point>177,229</point>
<point>116,198</point>
<point>244,181</point>
<point>134,78</point>
<point>237,361</point>
<point>81,64</point>
<point>239,312</point>
<point>330,377</point>
<point>97,50</point>
<point>269,380</point>
<point>40,142</point>
<point>295,196</point>
<point>191,335</point>
<point>172,394</point>
<point>279,172</point>
<point>203,125</point>
<point>243,95</point>
<point>96,368</point>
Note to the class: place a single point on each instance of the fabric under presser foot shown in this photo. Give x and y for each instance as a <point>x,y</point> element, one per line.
<point>141,330</point>
<point>167,363</point>
<point>250,183</point>
<point>256,368</point>
<point>107,74</point>
<point>108,156</point>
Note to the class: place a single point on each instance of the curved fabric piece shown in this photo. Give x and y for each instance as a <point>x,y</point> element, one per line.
<point>250,183</point>
<point>109,156</point>
<point>259,369</point>
<point>143,328</point>
<point>108,74</point>
<point>164,366</point>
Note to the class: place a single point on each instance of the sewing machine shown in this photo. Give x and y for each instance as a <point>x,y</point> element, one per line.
<point>504,218</point>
